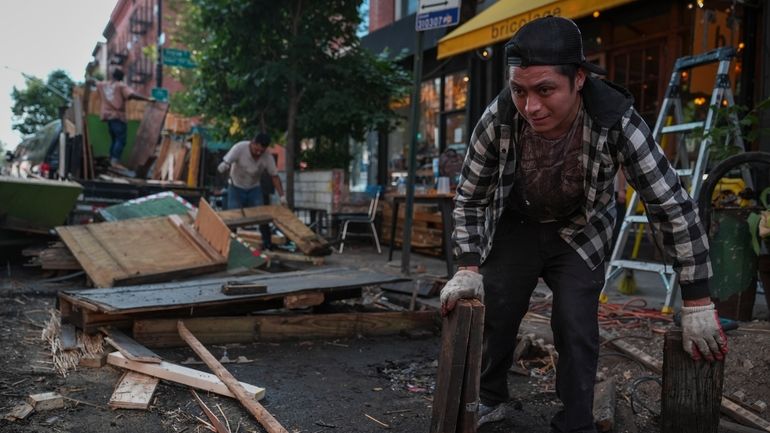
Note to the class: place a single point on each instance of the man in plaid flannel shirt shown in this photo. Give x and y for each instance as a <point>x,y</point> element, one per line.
<point>536,199</point>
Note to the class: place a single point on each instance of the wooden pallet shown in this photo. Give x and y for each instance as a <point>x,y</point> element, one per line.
<point>121,306</point>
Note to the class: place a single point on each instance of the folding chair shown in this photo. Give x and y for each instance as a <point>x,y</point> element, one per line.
<point>367,218</point>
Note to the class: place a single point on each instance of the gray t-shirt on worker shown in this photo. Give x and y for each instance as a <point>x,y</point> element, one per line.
<point>245,171</point>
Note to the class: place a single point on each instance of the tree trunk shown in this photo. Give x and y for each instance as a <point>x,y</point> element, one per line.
<point>291,142</point>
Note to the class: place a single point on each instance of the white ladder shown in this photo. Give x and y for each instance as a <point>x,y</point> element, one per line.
<point>721,95</point>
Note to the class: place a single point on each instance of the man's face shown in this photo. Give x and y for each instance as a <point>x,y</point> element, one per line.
<point>545,98</point>
<point>256,149</point>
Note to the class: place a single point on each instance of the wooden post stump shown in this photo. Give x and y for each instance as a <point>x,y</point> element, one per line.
<point>456,398</point>
<point>692,391</point>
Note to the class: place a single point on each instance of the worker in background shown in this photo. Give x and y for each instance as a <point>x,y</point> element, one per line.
<point>247,161</point>
<point>536,199</point>
<point>114,94</point>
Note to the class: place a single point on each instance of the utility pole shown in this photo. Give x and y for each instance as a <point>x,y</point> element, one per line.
<point>159,70</point>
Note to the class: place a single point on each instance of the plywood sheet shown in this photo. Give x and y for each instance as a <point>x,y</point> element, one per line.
<point>212,228</point>
<point>157,297</point>
<point>135,250</point>
<point>148,134</point>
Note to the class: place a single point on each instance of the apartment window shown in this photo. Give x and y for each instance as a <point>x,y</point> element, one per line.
<point>408,7</point>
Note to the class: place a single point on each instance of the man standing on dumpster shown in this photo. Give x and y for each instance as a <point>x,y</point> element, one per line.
<point>247,161</point>
<point>536,199</point>
<point>114,94</point>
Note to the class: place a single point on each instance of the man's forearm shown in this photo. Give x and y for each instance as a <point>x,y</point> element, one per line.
<point>278,186</point>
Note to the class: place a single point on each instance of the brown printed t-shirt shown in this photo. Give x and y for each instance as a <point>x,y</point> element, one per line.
<point>114,95</point>
<point>245,171</point>
<point>548,183</point>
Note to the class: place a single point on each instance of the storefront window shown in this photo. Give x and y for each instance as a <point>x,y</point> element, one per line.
<point>443,125</point>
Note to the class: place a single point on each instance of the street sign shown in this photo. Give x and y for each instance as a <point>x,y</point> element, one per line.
<point>160,94</point>
<point>177,57</point>
<point>434,14</point>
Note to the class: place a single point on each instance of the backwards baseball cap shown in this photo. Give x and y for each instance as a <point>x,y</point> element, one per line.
<point>549,40</point>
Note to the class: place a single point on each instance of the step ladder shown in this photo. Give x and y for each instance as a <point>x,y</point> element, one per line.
<point>691,174</point>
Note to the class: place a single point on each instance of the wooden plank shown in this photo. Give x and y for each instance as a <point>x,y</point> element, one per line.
<point>193,166</point>
<point>185,376</point>
<point>469,401</point>
<point>19,412</point>
<point>176,171</point>
<point>129,347</point>
<point>68,337</point>
<point>133,391</point>
<point>293,257</point>
<point>161,333</point>
<point>604,405</point>
<point>215,422</point>
<point>455,334</point>
<point>260,413</point>
<point>212,228</point>
<point>743,416</point>
<point>46,401</point>
<point>303,300</point>
<point>691,390</point>
<point>195,238</point>
<point>163,154</point>
<point>148,134</point>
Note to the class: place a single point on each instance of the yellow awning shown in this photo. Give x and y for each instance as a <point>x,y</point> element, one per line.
<point>500,21</point>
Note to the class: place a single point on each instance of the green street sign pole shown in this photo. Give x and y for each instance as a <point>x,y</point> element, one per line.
<point>414,120</point>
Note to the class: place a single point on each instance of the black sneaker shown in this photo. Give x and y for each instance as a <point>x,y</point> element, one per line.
<point>489,414</point>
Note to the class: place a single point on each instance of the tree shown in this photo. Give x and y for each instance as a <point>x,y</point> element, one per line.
<point>39,103</point>
<point>294,66</point>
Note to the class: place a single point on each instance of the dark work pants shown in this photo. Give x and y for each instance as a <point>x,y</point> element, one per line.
<point>522,252</point>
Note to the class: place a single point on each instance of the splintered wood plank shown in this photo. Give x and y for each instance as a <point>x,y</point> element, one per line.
<point>179,374</point>
<point>157,169</point>
<point>691,390</point>
<point>193,166</point>
<point>148,134</point>
<point>19,412</point>
<point>212,228</point>
<point>143,249</point>
<point>133,391</point>
<point>161,333</point>
<point>198,293</point>
<point>129,347</point>
<point>303,300</point>
<point>307,241</point>
<point>455,334</point>
<point>264,417</point>
<point>468,414</point>
<point>46,401</point>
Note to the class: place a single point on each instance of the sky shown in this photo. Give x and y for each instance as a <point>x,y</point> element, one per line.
<point>39,36</point>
